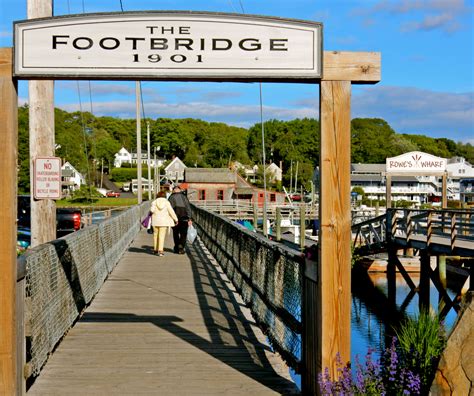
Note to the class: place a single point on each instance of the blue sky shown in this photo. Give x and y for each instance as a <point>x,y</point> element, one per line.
<point>427,50</point>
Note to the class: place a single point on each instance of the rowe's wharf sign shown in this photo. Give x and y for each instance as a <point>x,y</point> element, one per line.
<point>416,162</point>
<point>168,45</point>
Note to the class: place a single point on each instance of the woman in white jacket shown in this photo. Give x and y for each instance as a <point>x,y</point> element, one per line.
<point>163,218</point>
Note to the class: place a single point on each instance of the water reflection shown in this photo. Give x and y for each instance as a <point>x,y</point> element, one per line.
<point>373,317</point>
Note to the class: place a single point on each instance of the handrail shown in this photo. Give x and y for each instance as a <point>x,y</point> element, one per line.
<point>56,280</point>
<point>411,224</point>
<point>268,275</point>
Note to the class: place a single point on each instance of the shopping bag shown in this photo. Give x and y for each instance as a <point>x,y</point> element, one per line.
<point>149,229</point>
<point>191,235</point>
<point>146,220</point>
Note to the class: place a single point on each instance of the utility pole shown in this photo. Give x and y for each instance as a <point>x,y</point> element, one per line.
<point>41,116</point>
<point>102,172</point>
<point>139,144</point>
<point>155,188</point>
<point>148,158</point>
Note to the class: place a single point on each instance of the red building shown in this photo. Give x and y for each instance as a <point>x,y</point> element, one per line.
<point>222,184</point>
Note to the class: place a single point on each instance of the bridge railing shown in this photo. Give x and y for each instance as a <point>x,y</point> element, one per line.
<point>268,276</point>
<point>370,235</point>
<point>237,209</point>
<point>61,277</point>
<point>452,224</point>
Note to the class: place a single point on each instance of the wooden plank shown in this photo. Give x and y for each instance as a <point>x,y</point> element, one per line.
<point>334,304</point>
<point>41,118</point>
<point>357,67</point>
<point>8,206</point>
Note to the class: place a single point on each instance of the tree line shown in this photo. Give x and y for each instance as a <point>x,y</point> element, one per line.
<point>87,142</point>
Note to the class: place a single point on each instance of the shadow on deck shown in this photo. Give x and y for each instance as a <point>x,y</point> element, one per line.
<point>165,325</point>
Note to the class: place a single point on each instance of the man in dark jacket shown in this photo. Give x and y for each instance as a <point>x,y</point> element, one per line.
<point>180,203</point>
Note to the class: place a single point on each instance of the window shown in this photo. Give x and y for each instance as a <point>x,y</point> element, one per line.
<point>220,195</point>
<point>202,195</point>
<point>272,197</point>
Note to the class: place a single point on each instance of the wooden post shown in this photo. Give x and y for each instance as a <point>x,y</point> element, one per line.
<point>334,286</point>
<point>41,113</point>
<point>8,213</point>
<point>424,288</point>
<point>302,226</point>
<point>391,276</point>
<point>444,199</point>
<point>278,223</point>
<point>388,192</point>
<point>442,280</point>
<point>255,216</point>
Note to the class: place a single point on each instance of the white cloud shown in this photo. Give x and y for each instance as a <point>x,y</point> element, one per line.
<point>104,89</point>
<point>424,14</point>
<point>413,110</point>
<point>232,114</point>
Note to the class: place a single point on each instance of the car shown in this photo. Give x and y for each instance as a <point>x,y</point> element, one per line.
<point>113,194</point>
<point>126,187</point>
<point>68,220</point>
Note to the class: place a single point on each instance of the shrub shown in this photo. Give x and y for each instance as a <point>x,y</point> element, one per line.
<point>422,341</point>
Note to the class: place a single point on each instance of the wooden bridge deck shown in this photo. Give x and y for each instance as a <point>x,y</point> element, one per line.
<point>169,325</point>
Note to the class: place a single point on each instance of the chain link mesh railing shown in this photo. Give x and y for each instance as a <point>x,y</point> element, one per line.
<point>267,275</point>
<point>63,276</point>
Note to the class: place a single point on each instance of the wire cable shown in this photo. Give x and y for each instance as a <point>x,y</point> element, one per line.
<point>86,152</point>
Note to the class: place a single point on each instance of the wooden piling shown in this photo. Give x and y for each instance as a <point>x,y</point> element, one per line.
<point>278,224</point>
<point>302,227</point>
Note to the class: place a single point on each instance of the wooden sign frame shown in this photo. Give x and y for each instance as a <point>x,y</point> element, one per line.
<point>333,297</point>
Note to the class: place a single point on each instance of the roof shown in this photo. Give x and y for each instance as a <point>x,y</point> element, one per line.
<point>209,175</point>
<point>409,179</point>
<point>367,168</point>
<point>363,177</point>
<point>173,161</point>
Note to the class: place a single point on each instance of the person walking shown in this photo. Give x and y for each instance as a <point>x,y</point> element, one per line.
<point>180,203</point>
<point>162,219</point>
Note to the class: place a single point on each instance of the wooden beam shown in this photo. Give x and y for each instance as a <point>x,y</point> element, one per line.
<point>334,302</point>
<point>8,209</point>
<point>388,192</point>
<point>357,67</point>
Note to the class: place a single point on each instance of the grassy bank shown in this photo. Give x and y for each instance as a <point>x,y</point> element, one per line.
<point>97,202</point>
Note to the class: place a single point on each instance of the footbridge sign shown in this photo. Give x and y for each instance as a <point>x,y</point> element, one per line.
<point>169,46</point>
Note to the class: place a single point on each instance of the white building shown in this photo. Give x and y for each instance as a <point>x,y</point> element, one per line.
<point>124,156</point>
<point>275,172</point>
<point>174,171</point>
<point>458,168</point>
<point>417,189</point>
<point>71,178</point>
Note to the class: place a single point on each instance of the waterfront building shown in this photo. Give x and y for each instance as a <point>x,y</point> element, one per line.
<point>418,189</point>
<point>123,156</point>
<point>223,184</point>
